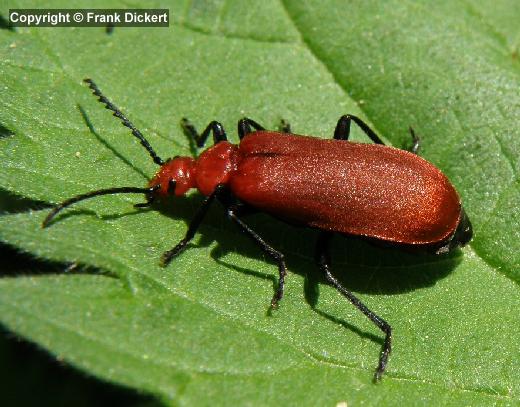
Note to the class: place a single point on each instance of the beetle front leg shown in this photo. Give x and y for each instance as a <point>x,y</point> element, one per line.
<point>323,260</point>
<point>267,249</point>
<point>219,134</point>
<point>192,228</point>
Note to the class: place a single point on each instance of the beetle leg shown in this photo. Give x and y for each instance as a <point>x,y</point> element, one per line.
<point>323,259</point>
<point>274,254</point>
<point>219,134</point>
<point>192,228</point>
<point>416,142</point>
<point>244,127</point>
<point>342,131</point>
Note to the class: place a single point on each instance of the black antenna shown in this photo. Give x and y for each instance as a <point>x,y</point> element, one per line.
<point>117,113</point>
<point>109,191</point>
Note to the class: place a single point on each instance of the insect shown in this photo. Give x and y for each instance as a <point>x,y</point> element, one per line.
<point>378,193</point>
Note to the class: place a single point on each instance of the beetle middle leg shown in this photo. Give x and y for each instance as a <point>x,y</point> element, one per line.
<point>219,134</point>
<point>192,228</point>
<point>323,260</point>
<point>342,131</point>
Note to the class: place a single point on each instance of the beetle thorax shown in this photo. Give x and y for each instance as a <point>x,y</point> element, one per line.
<point>215,166</point>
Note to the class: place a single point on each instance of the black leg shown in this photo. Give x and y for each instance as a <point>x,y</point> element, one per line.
<point>192,228</point>
<point>342,131</point>
<point>244,127</point>
<point>416,142</point>
<point>323,259</point>
<point>274,254</point>
<point>219,134</point>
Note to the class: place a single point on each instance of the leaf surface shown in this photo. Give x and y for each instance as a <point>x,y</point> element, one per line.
<point>197,332</point>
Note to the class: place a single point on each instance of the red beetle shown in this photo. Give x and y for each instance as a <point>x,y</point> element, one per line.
<point>379,193</point>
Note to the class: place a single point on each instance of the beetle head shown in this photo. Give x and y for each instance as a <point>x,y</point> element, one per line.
<point>175,177</point>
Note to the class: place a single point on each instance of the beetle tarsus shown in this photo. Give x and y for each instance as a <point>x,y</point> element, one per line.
<point>278,295</point>
<point>385,353</point>
<point>169,255</point>
<point>150,199</point>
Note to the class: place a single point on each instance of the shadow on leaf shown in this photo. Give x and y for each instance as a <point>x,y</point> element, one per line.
<point>12,203</point>
<point>5,132</point>
<point>359,265</point>
<point>14,262</point>
<point>92,130</point>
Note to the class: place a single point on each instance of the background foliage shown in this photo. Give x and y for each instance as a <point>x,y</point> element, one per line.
<point>197,332</point>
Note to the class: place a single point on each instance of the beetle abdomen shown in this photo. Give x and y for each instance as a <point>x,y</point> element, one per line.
<point>352,188</point>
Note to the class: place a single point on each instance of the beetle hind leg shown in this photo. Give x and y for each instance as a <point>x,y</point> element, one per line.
<point>323,260</point>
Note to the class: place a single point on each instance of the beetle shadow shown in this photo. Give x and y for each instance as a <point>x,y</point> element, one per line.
<point>112,149</point>
<point>359,265</point>
<point>17,263</point>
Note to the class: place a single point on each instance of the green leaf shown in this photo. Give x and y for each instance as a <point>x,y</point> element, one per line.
<point>197,332</point>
